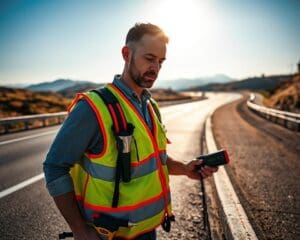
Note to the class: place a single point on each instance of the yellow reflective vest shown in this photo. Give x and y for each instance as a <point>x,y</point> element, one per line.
<point>145,200</point>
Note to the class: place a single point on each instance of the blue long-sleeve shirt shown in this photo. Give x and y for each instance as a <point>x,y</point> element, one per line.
<point>80,133</point>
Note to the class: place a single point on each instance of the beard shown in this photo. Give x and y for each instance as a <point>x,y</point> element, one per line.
<point>141,79</point>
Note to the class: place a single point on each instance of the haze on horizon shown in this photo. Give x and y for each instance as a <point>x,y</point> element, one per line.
<point>44,40</point>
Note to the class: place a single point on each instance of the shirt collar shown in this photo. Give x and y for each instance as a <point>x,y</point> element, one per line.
<point>128,91</point>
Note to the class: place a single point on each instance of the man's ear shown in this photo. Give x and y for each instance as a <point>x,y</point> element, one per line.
<point>125,53</point>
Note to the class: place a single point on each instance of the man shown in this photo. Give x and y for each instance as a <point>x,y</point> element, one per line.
<point>80,167</point>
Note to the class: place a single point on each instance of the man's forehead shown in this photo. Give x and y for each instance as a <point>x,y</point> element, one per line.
<point>154,45</point>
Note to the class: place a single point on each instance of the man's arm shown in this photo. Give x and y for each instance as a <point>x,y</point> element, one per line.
<point>67,205</point>
<point>75,137</point>
<point>191,169</point>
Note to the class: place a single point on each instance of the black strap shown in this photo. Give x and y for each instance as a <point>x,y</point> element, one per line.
<point>114,107</point>
<point>120,128</point>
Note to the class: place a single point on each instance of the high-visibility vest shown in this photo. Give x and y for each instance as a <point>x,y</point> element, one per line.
<point>145,200</point>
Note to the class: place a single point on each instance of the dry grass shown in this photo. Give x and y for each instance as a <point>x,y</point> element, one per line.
<point>15,102</point>
<point>168,95</point>
<point>287,97</point>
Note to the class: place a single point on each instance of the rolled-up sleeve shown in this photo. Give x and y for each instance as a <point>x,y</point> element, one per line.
<point>79,133</point>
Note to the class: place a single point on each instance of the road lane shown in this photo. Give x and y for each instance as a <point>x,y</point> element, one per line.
<point>264,169</point>
<point>30,213</point>
<point>21,160</point>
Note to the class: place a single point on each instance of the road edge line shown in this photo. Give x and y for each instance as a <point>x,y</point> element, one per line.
<point>21,185</point>
<point>234,220</point>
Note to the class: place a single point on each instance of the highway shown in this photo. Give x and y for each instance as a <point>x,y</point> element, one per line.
<point>29,212</point>
<point>264,169</point>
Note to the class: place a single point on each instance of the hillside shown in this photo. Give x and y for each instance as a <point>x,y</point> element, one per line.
<point>186,83</point>
<point>70,92</point>
<point>264,83</point>
<point>287,96</point>
<point>16,102</point>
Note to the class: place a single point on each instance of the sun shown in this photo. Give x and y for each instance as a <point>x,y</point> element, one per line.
<point>185,22</point>
<point>194,31</point>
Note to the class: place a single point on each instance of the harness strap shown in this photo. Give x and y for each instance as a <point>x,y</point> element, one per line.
<point>121,129</point>
<point>113,105</point>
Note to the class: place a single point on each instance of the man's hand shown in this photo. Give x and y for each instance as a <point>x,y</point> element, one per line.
<point>195,170</point>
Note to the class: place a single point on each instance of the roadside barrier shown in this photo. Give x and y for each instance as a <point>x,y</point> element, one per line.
<point>13,124</point>
<point>286,119</point>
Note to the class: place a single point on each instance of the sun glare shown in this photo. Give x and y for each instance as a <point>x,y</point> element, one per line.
<point>193,30</point>
<point>186,22</point>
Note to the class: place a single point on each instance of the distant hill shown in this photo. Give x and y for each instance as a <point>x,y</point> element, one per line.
<point>185,83</point>
<point>287,96</point>
<point>264,83</point>
<point>70,92</point>
<point>57,85</point>
<point>16,102</point>
<point>68,87</point>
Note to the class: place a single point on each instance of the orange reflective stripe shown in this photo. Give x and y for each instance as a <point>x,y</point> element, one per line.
<point>101,124</point>
<point>78,96</point>
<point>135,164</point>
<point>160,172</point>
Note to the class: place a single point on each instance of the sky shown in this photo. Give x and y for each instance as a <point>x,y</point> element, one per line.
<point>81,40</point>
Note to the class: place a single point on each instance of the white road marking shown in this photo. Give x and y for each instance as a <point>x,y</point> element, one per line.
<point>234,216</point>
<point>21,185</point>
<point>28,137</point>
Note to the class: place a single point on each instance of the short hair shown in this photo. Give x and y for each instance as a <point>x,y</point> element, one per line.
<point>140,29</point>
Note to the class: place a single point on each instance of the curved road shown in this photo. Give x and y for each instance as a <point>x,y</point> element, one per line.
<point>265,169</point>
<point>29,213</point>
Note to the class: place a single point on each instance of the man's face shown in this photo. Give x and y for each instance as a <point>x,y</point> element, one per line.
<point>146,59</point>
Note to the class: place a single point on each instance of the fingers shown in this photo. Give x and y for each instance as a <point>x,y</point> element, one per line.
<point>207,171</point>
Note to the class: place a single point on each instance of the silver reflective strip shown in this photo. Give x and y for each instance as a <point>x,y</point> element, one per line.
<point>133,216</point>
<point>163,157</point>
<point>108,173</point>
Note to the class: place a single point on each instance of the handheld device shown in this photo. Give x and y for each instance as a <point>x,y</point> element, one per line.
<point>215,159</point>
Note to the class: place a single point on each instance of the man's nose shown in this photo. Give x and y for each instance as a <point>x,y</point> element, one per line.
<point>156,66</point>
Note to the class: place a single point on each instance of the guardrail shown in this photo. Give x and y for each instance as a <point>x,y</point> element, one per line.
<point>287,119</point>
<point>13,124</point>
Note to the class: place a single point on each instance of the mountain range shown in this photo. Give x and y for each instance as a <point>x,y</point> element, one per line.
<point>66,86</point>
<point>69,88</point>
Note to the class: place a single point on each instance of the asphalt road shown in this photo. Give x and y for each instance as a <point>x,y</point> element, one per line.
<point>265,169</point>
<point>29,213</point>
